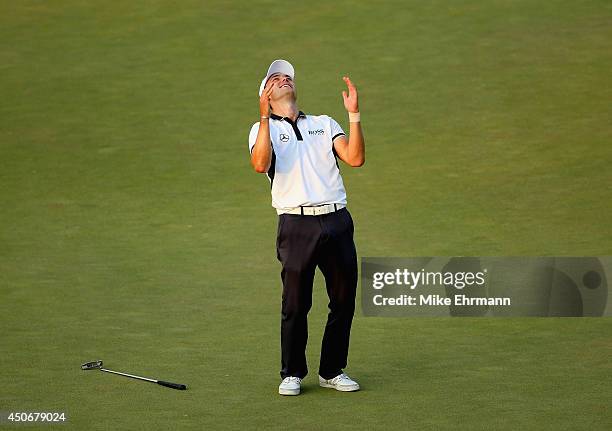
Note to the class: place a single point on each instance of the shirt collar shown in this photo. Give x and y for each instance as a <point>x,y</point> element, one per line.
<point>278,117</point>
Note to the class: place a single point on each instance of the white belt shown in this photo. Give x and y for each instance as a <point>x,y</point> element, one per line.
<point>312,211</point>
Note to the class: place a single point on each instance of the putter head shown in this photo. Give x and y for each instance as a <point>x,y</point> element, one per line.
<point>91,365</point>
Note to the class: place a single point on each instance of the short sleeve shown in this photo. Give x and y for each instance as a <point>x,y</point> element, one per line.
<point>253,136</point>
<point>336,130</point>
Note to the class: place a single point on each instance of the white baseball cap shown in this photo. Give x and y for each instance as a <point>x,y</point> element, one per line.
<point>277,66</point>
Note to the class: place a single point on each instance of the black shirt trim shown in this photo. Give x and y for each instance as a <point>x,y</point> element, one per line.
<point>296,130</point>
<point>338,134</point>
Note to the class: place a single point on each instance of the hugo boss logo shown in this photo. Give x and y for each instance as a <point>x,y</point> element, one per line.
<point>316,132</point>
<point>283,137</point>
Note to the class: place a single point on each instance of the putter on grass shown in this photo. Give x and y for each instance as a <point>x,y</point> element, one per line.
<point>97,365</point>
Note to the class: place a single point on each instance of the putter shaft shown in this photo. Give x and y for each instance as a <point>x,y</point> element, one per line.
<point>129,375</point>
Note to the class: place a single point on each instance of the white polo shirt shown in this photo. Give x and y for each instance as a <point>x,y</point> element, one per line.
<point>304,170</point>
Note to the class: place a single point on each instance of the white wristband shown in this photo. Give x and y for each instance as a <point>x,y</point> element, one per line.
<point>354,117</point>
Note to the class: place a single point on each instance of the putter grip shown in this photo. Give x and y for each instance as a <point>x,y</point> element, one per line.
<point>172,385</point>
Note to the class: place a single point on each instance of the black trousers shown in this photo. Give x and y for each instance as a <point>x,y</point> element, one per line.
<point>303,243</point>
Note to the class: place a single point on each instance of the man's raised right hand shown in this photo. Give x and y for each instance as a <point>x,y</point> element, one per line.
<point>264,99</point>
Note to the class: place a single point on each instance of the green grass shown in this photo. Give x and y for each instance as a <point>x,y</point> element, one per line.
<point>133,230</point>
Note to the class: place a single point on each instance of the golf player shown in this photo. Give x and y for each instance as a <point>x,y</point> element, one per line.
<point>299,153</point>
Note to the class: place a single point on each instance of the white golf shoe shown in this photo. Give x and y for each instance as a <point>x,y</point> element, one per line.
<point>341,382</point>
<point>290,386</point>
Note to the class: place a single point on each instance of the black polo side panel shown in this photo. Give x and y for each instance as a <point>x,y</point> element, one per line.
<point>272,169</point>
<point>335,156</point>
